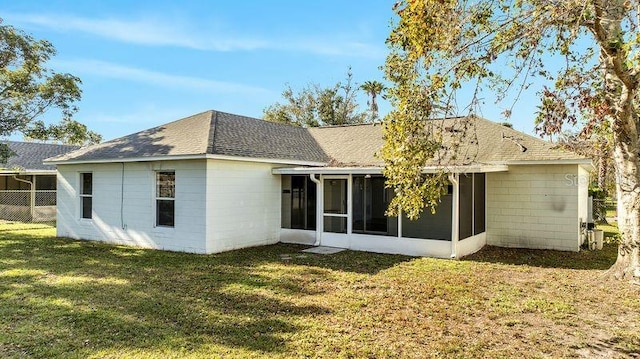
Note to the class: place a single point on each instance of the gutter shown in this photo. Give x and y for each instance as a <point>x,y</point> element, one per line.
<point>185,157</point>
<point>32,201</point>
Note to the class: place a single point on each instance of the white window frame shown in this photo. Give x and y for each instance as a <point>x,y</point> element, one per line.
<point>158,198</point>
<point>82,196</point>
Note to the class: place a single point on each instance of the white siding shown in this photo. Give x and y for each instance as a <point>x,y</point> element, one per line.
<point>534,207</point>
<point>124,212</point>
<point>243,205</point>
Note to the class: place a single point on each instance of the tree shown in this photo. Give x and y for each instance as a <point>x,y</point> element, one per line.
<point>373,89</point>
<point>318,106</point>
<point>28,89</point>
<point>440,46</point>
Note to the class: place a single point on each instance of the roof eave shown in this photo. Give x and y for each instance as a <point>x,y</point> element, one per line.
<point>130,159</point>
<point>187,157</point>
<point>378,170</point>
<point>282,161</point>
<point>28,172</point>
<point>566,161</point>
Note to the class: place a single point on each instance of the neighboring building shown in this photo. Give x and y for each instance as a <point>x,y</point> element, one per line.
<point>27,185</point>
<point>214,182</point>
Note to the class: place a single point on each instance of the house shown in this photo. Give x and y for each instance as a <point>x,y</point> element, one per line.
<point>215,182</point>
<point>27,186</point>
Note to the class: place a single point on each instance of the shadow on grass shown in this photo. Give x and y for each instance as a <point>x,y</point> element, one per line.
<point>62,296</point>
<point>585,259</point>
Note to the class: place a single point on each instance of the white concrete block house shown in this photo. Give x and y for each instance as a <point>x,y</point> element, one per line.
<point>215,182</point>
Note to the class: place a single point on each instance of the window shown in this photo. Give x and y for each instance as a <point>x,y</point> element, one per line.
<point>165,198</point>
<point>86,195</point>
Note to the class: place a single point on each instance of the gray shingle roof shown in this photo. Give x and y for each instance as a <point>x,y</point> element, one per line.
<point>220,133</point>
<point>210,132</point>
<point>485,142</point>
<point>249,137</point>
<point>30,155</point>
<point>187,136</point>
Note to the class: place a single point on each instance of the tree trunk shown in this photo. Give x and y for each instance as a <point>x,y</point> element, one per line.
<point>627,265</point>
<point>621,88</point>
<point>603,164</point>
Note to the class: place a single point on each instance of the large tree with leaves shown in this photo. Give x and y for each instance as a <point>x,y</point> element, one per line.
<point>440,46</point>
<point>28,89</point>
<point>316,106</point>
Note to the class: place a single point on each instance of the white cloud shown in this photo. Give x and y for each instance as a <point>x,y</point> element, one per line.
<point>121,72</point>
<point>158,32</point>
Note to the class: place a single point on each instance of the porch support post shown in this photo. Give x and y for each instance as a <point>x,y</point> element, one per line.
<point>400,223</point>
<point>455,215</point>
<point>349,204</point>
<point>33,198</point>
<point>319,208</point>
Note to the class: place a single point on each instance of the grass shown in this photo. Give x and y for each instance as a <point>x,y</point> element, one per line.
<point>66,298</point>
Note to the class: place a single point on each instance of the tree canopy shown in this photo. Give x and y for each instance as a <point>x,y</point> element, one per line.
<point>373,89</point>
<point>438,47</point>
<point>316,106</point>
<point>28,89</point>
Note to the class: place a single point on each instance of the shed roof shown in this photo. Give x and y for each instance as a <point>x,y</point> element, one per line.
<point>29,156</point>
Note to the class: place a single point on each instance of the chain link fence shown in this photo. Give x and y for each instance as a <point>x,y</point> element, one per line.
<point>27,206</point>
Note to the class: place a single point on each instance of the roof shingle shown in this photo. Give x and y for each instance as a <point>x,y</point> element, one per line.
<point>29,156</point>
<point>220,133</point>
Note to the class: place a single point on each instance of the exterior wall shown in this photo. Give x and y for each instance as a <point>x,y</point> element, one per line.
<point>297,236</point>
<point>243,205</point>
<point>534,206</point>
<point>388,244</point>
<point>124,213</point>
<point>471,244</point>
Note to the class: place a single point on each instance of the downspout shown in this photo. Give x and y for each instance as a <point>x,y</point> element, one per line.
<point>32,202</point>
<point>122,224</point>
<point>455,215</point>
<point>319,196</point>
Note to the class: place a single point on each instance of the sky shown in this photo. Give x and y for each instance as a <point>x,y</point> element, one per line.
<point>145,63</point>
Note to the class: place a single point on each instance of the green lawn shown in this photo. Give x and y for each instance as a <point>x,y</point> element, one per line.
<point>65,298</point>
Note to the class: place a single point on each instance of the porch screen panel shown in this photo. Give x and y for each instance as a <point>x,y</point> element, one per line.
<point>298,202</point>
<point>466,205</point>
<point>311,204</point>
<point>479,203</point>
<point>298,205</point>
<point>46,183</point>
<point>285,202</point>
<point>430,226</point>
<point>335,205</point>
<point>335,224</point>
<point>335,196</point>
<point>370,202</point>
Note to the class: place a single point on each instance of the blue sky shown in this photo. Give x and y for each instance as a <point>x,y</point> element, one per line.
<point>145,63</point>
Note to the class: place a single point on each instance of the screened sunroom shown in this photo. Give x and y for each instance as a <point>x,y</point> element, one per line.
<point>347,210</point>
